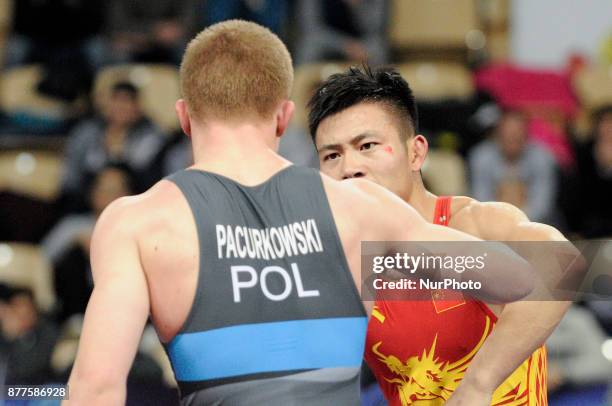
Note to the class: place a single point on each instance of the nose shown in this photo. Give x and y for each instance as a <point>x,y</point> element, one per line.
<point>353,174</point>
<point>352,168</point>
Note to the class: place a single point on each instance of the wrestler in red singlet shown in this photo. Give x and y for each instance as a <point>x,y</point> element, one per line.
<point>420,350</point>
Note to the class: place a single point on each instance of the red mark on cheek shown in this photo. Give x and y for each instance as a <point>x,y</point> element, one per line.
<point>388,149</point>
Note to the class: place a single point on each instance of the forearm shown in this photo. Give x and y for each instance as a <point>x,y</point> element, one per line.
<point>521,329</point>
<point>504,276</point>
<point>524,326</point>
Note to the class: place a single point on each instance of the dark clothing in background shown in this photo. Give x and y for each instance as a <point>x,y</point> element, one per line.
<point>28,357</point>
<point>471,119</point>
<point>587,196</point>
<point>58,22</point>
<point>141,15</point>
<point>86,154</point>
<point>58,34</point>
<point>269,13</point>
<point>24,218</point>
<point>72,280</point>
<point>340,16</point>
<point>326,28</point>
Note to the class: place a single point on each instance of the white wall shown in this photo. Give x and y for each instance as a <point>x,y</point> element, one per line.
<point>545,32</point>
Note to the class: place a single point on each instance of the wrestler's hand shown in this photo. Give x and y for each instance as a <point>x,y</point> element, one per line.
<point>467,395</point>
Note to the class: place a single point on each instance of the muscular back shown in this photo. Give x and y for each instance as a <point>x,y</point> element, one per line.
<point>169,251</point>
<point>170,256</point>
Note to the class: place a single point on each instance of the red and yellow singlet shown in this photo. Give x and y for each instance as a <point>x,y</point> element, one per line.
<point>419,350</point>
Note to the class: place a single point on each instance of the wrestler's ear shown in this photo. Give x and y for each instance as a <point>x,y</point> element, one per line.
<point>283,116</point>
<point>417,149</point>
<point>183,115</point>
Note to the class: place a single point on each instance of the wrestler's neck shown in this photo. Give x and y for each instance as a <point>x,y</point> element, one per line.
<point>243,151</point>
<point>422,199</point>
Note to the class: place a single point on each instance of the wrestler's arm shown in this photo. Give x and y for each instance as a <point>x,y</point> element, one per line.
<point>522,327</point>
<point>399,221</point>
<point>116,314</point>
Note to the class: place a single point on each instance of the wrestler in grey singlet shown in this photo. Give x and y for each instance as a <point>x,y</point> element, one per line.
<point>276,318</point>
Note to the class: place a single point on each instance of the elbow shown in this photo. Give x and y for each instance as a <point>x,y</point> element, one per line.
<point>95,389</point>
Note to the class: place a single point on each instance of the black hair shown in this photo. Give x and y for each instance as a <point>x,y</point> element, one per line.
<point>343,90</point>
<point>130,175</point>
<point>125,87</point>
<point>8,292</point>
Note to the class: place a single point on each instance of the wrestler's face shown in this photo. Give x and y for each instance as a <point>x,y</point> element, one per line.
<point>364,141</point>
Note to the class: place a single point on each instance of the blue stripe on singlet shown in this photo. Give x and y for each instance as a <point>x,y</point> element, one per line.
<point>267,347</point>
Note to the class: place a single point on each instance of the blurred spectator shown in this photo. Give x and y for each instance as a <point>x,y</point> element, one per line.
<point>27,338</point>
<point>123,134</point>
<point>151,31</point>
<point>512,169</point>
<point>545,94</point>
<point>67,244</point>
<point>342,29</point>
<point>269,13</point>
<point>586,196</point>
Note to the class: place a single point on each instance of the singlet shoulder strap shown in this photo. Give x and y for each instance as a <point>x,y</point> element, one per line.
<point>442,213</point>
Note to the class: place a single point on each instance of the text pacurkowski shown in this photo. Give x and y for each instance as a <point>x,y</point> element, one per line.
<point>299,238</point>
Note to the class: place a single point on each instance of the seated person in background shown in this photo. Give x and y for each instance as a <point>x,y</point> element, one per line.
<point>26,337</point>
<point>585,201</point>
<point>122,134</point>
<point>354,30</point>
<point>67,244</point>
<point>510,167</point>
<point>150,31</point>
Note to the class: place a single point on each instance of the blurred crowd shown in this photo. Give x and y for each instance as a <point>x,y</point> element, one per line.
<point>86,116</point>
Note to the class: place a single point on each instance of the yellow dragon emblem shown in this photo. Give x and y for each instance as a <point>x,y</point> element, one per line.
<point>425,378</point>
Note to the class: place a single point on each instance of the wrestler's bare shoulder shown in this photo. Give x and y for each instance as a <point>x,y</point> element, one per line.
<point>160,206</point>
<point>486,220</point>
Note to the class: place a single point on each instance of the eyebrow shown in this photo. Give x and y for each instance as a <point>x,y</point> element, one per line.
<point>355,140</point>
